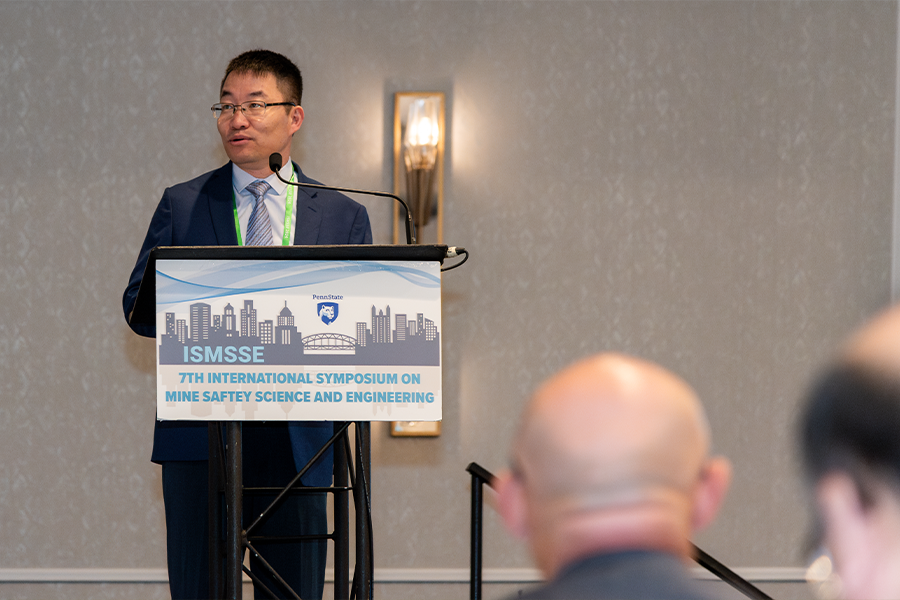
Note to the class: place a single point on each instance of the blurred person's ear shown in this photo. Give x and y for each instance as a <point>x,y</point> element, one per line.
<point>710,491</point>
<point>511,503</point>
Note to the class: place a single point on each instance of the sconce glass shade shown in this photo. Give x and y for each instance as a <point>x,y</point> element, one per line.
<point>422,134</point>
<point>418,161</point>
<point>419,153</point>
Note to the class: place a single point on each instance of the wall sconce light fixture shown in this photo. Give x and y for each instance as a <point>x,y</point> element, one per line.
<point>418,161</point>
<point>419,178</point>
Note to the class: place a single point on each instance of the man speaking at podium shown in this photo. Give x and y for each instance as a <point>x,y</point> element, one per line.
<point>243,203</point>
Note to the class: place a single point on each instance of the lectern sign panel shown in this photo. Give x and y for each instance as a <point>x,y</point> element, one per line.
<point>267,340</point>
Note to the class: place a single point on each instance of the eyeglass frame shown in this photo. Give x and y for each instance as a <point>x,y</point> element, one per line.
<point>220,107</point>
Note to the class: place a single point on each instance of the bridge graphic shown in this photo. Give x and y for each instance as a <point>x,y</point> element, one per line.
<point>329,341</point>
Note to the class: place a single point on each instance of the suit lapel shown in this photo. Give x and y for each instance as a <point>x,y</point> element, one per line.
<point>218,191</point>
<point>309,213</point>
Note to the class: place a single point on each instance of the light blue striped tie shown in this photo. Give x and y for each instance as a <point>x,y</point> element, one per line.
<point>259,229</point>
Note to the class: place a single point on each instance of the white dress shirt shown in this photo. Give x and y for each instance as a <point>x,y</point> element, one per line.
<point>275,199</point>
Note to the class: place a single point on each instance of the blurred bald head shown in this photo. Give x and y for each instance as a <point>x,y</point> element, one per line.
<point>610,454</point>
<point>611,430</point>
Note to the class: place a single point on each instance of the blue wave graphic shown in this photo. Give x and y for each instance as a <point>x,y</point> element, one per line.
<point>255,276</point>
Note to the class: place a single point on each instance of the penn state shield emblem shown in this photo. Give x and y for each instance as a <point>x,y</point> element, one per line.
<point>328,312</point>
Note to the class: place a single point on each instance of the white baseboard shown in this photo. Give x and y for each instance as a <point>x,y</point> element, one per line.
<point>492,575</point>
<point>87,575</point>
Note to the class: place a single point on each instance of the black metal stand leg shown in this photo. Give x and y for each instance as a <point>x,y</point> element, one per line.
<point>361,500</point>
<point>234,535</point>
<point>341,521</point>
<point>476,538</point>
<point>216,550</point>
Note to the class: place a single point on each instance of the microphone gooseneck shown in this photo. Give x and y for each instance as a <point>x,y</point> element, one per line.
<point>275,162</point>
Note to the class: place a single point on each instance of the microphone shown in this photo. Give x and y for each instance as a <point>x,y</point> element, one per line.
<point>275,162</point>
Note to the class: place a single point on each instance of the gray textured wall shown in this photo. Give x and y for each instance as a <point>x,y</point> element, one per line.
<point>708,185</point>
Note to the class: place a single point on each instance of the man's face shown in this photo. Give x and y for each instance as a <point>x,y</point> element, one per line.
<point>248,142</point>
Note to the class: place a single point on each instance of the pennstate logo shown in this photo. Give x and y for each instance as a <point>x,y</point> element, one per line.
<point>328,312</point>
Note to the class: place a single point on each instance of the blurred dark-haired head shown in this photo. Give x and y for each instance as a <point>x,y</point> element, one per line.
<point>852,424</point>
<point>850,443</point>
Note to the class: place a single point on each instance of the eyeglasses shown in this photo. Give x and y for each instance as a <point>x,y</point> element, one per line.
<point>253,109</point>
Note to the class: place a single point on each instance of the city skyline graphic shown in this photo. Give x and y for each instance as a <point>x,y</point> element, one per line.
<point>220,336</point>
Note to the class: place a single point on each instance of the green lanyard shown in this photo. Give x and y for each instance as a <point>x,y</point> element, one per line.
<point>288,210</point>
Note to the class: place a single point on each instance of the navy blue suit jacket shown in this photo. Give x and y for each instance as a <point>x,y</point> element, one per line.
<point>629,574</point>
<point>200,212</point>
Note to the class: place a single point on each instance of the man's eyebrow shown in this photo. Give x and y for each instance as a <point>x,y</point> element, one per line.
<point>250,95</point>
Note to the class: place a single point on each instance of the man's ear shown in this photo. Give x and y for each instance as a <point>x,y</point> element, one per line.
<point>511,503</point>
<point>296,118</point>
<point>710,492</point>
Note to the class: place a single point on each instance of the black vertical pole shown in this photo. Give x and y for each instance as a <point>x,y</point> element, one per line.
<point>234,535</point>
<point>360,498</point>
<point>216,583</point>
<point>475,538</point>
<point>341,520</point>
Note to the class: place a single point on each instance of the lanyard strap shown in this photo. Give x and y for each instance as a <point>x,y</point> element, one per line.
<point>288,211</point>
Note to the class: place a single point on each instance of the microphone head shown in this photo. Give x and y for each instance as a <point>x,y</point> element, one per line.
<point>275,162</point>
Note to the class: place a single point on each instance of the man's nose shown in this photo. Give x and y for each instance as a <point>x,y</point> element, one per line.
<point>239,120</point>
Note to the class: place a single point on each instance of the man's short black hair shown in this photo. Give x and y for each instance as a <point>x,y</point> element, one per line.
<point>852,424</point>
<point>261,62</point>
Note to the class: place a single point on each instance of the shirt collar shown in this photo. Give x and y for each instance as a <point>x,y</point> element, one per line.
<point>240,178</point>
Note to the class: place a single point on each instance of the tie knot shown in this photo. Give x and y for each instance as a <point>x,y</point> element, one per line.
<point>258,188</point>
